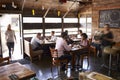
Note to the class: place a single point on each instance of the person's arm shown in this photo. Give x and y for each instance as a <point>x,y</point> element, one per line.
<point>39,41</point>
<point>110,37</point>
<point>86,45</point>
<point>67,47</point>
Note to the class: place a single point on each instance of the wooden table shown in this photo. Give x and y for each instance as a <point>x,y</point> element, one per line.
<point>21,71</point>
<point>91,75</point>
<point>73,53</point>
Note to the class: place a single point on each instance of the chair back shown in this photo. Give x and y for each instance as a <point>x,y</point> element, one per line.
<point>54,55</point>
<point>54,52</point>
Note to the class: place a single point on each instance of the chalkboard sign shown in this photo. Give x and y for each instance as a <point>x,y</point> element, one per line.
<point>111,17</point>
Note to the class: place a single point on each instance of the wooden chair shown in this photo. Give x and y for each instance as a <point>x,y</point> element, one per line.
<point>56,61</point>
<point>5,60</point>
<point>30,53</point>
<point>93,51</point>
<point>85,56</point>
<point>92,48</point>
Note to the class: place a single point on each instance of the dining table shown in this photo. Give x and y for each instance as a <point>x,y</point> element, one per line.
<point>74,50</point>
<point>22,72</point>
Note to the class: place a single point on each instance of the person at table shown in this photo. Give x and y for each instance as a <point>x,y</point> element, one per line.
<point>68,39</point>
<point>36,42</point>
<point>107,41</point>
<point>79,33</point>
<point>53,37</point>
<point>96,42</point>
<point>62,46</point>
<point>85,47</point>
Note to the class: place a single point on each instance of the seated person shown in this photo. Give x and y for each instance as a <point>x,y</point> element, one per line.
<point>68,39</point>
<point>53,37</point>
<point>107,41</point>
<point>79,33</point>
<point>36,41</point>
<point>61,46</point>
<point>96,42</point>
<point>85,45</point>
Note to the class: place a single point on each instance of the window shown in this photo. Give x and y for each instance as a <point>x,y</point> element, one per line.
<point>71,30</point>
<point>57,32</point>
<point>32,20</point>
<point>86,25</point>
<point>53,20</point>
<point>31,32</point>
<point>70,20</point>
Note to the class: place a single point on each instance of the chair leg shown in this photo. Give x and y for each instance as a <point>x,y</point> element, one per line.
<point>82,61</point>
<point>52,72</point>
<point>109,72</point>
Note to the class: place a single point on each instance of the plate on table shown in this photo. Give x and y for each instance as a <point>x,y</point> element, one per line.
<point>98,76</point>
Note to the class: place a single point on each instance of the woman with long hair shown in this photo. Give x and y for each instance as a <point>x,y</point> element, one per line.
<point>10,38</point>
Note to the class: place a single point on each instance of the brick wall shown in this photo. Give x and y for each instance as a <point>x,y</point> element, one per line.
<point>104,5</point>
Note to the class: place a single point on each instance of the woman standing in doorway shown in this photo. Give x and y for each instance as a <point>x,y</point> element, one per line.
<point>10,37</point>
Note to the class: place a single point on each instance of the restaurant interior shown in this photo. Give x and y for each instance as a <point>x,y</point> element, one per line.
<point>73,21</point>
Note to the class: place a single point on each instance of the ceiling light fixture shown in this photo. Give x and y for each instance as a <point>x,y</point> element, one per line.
<point>33,12</point>
<point>58,12</point>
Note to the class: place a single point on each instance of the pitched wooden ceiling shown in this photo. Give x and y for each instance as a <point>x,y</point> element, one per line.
<point>42,4</point>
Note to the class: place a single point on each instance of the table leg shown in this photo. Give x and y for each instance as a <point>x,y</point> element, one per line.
<point>73,60</point>
<point>109,72</point>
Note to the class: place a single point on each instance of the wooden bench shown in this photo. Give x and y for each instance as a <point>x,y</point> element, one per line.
<point>30,53</point>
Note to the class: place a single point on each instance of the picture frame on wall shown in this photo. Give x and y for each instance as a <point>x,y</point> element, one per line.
<point>111,17</point>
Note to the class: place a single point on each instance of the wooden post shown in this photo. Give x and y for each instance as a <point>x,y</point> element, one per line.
<point>62,24</point>
<point>43,25</point>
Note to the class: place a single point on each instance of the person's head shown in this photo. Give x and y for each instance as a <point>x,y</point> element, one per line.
<point>84,36</point>
<point>66,31</point>
<point>9,27</point>
<point>64,35</point>
<point>38,35</point>
<point>79,31</point>
<point>52,33</point>
<point>107,27</point>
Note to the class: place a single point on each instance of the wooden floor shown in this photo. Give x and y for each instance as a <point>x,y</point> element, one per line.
<point>43,72</point>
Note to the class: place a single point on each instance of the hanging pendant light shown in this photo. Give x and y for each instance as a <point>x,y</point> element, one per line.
<point>33,12</point>
<point>58,13</point>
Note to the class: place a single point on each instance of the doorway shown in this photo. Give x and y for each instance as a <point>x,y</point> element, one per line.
<point>15,21</point>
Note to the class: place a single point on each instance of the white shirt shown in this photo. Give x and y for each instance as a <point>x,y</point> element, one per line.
<point>53,38</point>
<point>79,36</point>
<point>10,35</point>
<point>35,41</point>
<point>61,46</point>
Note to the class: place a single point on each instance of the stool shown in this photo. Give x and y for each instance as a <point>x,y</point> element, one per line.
<point>118,53</point>
<point>110,51</point>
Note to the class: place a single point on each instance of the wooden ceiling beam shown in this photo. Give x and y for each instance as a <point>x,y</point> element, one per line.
<point>46,12</point>
<point>23,4</point>
<point>69,9</point>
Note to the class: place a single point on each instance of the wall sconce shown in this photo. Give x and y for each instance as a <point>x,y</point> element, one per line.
<point>33,12</point>
<point>58,13</point>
